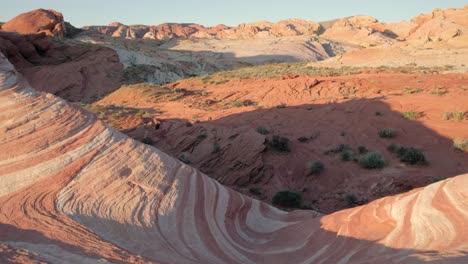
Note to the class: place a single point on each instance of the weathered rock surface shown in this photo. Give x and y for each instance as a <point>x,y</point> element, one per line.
<point>72,189</point>
<point>73,72</point>
<point>49,22</point>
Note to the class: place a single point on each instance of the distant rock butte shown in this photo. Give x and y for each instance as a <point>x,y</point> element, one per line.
<point>75,190</point>
<point>290,27</point>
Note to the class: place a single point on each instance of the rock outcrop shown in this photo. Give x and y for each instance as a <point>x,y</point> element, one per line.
<point>49,22</point>
<point>72,71</point>
<point>72,189</point>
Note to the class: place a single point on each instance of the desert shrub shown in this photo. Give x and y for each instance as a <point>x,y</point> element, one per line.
<point>343,133</point>
<point>439,91</point>
<point>316,167</point>
<point>457,116</point>
<point>350,199</point>
<point>303,139</point>
<point>411,115</point>
<point>386,133</point>
<point>282,105</point>
<point>287,198</point>
<point>237,103</point>
<point>147,141</point>
<point>188,124</point>
<point>378,113</point>
<point>461,144</point>
<point>408,155</point>
<point>347,155</point>
<point>372,160</point>
<point>411,155</point>
<point>216,147</point>
<point>412,91</point>
<point>362,150</point>
<point>279,143</point>
<point>256,191</point>
<point>202,136</point>
<point>263,131</point>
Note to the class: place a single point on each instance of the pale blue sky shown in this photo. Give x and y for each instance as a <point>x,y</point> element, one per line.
<point>211,12</point>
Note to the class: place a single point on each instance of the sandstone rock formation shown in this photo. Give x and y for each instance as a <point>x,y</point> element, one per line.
<point>49,22</point>
<point>72,71</point>
<point>72,189</point>
<point>263,29</point>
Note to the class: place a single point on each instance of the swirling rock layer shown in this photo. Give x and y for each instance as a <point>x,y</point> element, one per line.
<point>74,190</point>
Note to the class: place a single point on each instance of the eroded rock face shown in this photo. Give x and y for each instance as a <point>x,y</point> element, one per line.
<point>73,188</point>
<point>75,71</point>
<point>49,22</point>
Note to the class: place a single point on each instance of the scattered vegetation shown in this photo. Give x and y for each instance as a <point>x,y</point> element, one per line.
<point>378,113</point>
<point>343,133</point>
<point>372,160</point>
<point>461,144</point>
<point>147,141</point>
<point>256,191</point>
<point>411,115</point>
<point>281,106</point>
<point>408,155</point>
<point>347,154</point>
<point>439,91</point>
<point>386,133</point>
<point>457,116</point>
<point>316,167</point>
<point>303,139</point>
<point>237,103</point>
<point>362,150</point>
<point>279,143</point>
<point>202,136</point>
<point>287,198</point>
<point>411,91</point>
<point>188,124</point>
<point>216,147</point>
<point>350,199</point>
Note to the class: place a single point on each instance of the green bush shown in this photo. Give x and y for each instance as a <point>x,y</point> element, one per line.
<point>287,198</point>
<point>316,167</point>
<point>347,155</point>
<point>372,160</point>
<point>263,131</point>
<point>386,133</point>
<point>350,199</point>
<point>279,143</point>
<point>408,155</point>
<point>411,155</point>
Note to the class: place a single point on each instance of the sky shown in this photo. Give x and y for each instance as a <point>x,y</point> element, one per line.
<point>213,12</point>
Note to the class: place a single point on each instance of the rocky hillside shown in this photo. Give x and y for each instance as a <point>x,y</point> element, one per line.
<point>74,190</point>
<point>440,25</point>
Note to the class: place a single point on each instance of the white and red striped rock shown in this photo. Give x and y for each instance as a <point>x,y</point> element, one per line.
<point>74,190</point>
